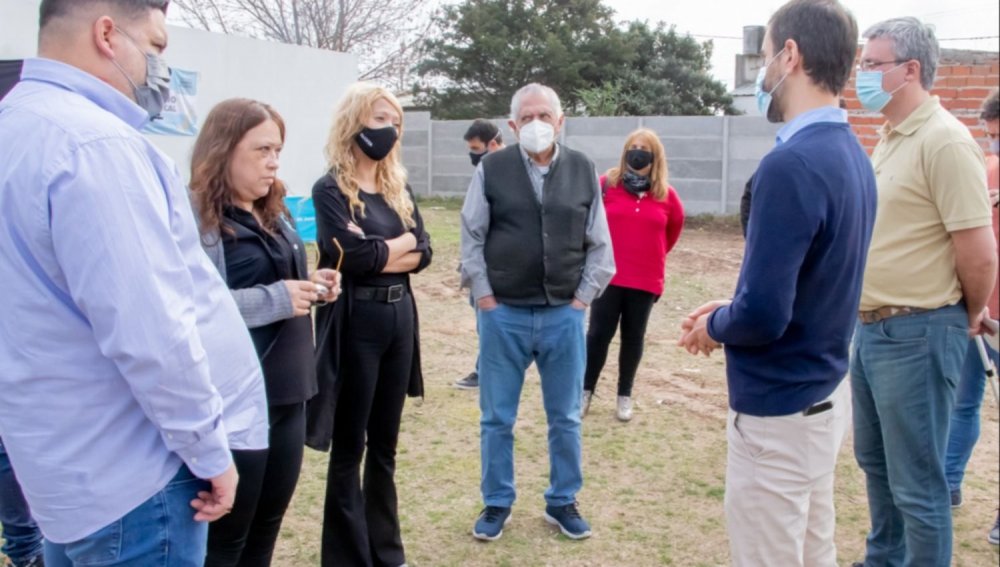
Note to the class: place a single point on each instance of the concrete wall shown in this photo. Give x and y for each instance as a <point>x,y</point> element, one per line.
<point>710,158</point>
<point>303,84</point>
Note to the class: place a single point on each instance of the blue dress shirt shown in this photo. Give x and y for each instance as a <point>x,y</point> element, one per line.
<point>122,353</point>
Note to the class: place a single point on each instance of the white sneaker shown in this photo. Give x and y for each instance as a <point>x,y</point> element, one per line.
<point>585,402</point>
<point>624,408</point>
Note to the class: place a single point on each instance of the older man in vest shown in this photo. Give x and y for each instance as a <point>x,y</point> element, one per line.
<point>535,252</point>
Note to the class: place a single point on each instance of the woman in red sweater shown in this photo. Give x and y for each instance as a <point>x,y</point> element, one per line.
<point>645,217</point>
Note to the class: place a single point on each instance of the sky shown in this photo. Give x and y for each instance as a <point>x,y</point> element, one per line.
<point>726,18</point>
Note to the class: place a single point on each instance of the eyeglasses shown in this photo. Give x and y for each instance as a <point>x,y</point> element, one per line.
<point>868,65</point>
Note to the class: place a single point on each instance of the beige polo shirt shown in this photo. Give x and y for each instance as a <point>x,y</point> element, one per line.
<point>931,179</point>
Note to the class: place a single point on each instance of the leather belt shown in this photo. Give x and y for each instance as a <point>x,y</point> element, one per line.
<point>887,312</point>
<point>387,294</point>
<point>820,407</point>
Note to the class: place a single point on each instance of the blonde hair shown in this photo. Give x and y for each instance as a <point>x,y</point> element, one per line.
<point>658,175</point>
<point>351,116</point>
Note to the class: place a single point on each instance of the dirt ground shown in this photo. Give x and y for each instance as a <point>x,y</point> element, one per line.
<point>653,487</point>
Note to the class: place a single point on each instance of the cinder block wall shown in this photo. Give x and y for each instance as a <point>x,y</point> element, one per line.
<point>709,157</point>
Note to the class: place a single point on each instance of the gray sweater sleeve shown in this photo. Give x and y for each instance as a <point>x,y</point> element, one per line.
<point>259,305</point>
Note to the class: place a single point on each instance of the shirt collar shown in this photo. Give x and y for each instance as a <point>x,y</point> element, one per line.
<point>915,120</point>
<point>531,162</point>
<point>86,85</point>
<point>810,117</point>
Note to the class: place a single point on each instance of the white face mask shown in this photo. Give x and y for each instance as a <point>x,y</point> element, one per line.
<point>536,136</point>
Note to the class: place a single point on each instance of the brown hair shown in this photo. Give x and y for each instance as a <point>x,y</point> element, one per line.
<point>658,183</point>
<point>211,189</point>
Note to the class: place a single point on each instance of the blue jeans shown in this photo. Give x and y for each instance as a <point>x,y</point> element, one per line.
<point>965,419</point>
<point>510,338</point>
<point>22,540</point>
<point>904,371</point>
<point>161,532</point>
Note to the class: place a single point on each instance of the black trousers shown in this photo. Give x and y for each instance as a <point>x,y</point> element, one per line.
<point>632,308</point>
<point>361,520</point>
<point>246,536</point>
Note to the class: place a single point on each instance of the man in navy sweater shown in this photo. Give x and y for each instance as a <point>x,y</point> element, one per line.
<point>788,327</point>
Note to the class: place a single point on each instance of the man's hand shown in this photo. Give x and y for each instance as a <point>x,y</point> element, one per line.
<point>694,329</point>
<point>487,303</point>
<point>977,323</point>
<point>213,505</point>
<point>578,305</point>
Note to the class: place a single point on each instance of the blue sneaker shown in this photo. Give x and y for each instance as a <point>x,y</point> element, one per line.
<point>569,520</point>
<point>491,522</point>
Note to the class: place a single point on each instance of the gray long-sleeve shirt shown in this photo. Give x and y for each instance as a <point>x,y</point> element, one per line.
<point>599,265</point>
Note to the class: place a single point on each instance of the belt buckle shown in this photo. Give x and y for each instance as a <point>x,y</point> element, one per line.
<point>394,293</point>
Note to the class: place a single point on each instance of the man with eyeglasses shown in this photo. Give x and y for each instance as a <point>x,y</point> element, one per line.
<point>931,268</point>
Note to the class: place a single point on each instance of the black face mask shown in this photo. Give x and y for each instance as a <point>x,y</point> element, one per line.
<point>376,143</point>
<point>638,159</point>
<point>476,158</point>
<point>634,183</point>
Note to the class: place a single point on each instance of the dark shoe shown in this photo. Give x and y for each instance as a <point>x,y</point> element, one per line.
<point>857,564</point>
<point>470,382</point>
<point>491,522</point>
<point>994,536</point>
<point>569,520</point>
<point>956,498</point>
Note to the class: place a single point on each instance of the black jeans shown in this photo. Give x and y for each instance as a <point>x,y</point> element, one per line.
<point>361,520</point>
<point>247,535</point>
<point>632,308</point>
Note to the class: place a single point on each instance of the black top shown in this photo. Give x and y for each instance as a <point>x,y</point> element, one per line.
<point>364,259</point>
<point>255,257</point>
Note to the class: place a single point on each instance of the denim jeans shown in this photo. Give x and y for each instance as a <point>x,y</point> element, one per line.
<point>510,338</point>
<point>965,419</point>
<point>904,371</point>
<point>161,532</point>
<point>22,540</point>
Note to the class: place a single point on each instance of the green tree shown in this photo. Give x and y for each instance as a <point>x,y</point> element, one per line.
<point>487,49</point>
<point>670,75</point>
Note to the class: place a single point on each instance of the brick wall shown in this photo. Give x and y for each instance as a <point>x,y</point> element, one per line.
<point>964,79</point>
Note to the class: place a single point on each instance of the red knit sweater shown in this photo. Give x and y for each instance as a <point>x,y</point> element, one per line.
<point>643,231</point>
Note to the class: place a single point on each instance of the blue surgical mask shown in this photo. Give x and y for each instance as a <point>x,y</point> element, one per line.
<point>871,95</point>
<point>156,90</point>
<point>995,147</point>
<point>764,98</point>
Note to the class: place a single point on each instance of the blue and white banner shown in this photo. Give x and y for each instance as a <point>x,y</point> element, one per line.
<point>179,116</point>
<point>305,217</point>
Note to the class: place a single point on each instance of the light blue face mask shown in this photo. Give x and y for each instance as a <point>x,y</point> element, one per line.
<point>995,147</point>
<point>764,98</point>
<point>871,95</point>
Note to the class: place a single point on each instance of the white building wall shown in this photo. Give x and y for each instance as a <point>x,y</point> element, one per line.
<point>301,83</point>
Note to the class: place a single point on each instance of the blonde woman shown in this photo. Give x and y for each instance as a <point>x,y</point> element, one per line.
<point>368,346</point>
<point>645,217</point>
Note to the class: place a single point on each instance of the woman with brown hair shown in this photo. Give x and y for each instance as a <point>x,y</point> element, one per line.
<point>247,232</point>
<point>645,217</point>
<point>368,347</point>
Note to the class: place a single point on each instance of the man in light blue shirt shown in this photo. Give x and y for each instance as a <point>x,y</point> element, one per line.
<point>126,372</point>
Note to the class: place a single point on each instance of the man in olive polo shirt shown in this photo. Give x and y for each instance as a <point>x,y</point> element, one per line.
<point>929,274</point>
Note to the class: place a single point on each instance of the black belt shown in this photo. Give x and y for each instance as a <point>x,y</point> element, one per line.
<point>820,407</point>
<point>387,294</point>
